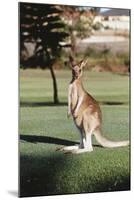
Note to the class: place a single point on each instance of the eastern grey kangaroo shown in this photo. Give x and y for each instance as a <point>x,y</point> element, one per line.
<point>86,115</point>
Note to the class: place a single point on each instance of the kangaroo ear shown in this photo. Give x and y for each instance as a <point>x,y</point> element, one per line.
<point>83,63</point>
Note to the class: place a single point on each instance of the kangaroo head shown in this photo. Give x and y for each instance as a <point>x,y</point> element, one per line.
<point>77,69</point>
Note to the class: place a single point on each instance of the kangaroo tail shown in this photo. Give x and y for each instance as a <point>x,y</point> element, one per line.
<point>108,143</point>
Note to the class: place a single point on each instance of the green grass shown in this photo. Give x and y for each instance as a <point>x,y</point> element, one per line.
<point>44,127</point>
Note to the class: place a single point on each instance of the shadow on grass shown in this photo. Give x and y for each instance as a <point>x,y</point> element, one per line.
<point>41,104</point>
<point>50,140</point>
<point>50,175</point>
<point>111,103</point>
<point>46,139</point>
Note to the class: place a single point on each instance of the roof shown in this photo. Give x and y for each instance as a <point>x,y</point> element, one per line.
<point>116,12</point>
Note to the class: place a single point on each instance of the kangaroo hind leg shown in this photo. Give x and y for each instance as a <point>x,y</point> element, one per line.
<point>85,144</point>
<point>89,141</point>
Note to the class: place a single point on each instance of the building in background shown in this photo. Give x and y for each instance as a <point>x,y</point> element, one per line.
<point>116,19</point>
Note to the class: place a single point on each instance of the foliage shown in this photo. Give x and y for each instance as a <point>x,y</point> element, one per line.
<point>83,27</point>
<point>97,26</point>
<point>106,57</point>
<point>80,23</point>
<point>41,25</point>
<point>125,58</point>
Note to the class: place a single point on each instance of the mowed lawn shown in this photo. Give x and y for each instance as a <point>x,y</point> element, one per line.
<point>44,127</point>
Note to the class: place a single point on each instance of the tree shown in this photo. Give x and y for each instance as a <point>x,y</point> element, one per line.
<point>42,26</point>
<point>80,22</point>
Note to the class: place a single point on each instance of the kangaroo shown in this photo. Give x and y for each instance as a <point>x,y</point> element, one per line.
<point>86,114</point>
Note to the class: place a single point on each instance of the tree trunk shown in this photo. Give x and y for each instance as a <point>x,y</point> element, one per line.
<point>73,44</point>
<point>55,89</point>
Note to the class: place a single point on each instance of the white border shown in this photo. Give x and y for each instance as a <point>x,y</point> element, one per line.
<point>9,97</point>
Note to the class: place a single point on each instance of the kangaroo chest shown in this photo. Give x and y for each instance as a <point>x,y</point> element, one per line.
<point>76,95</point>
